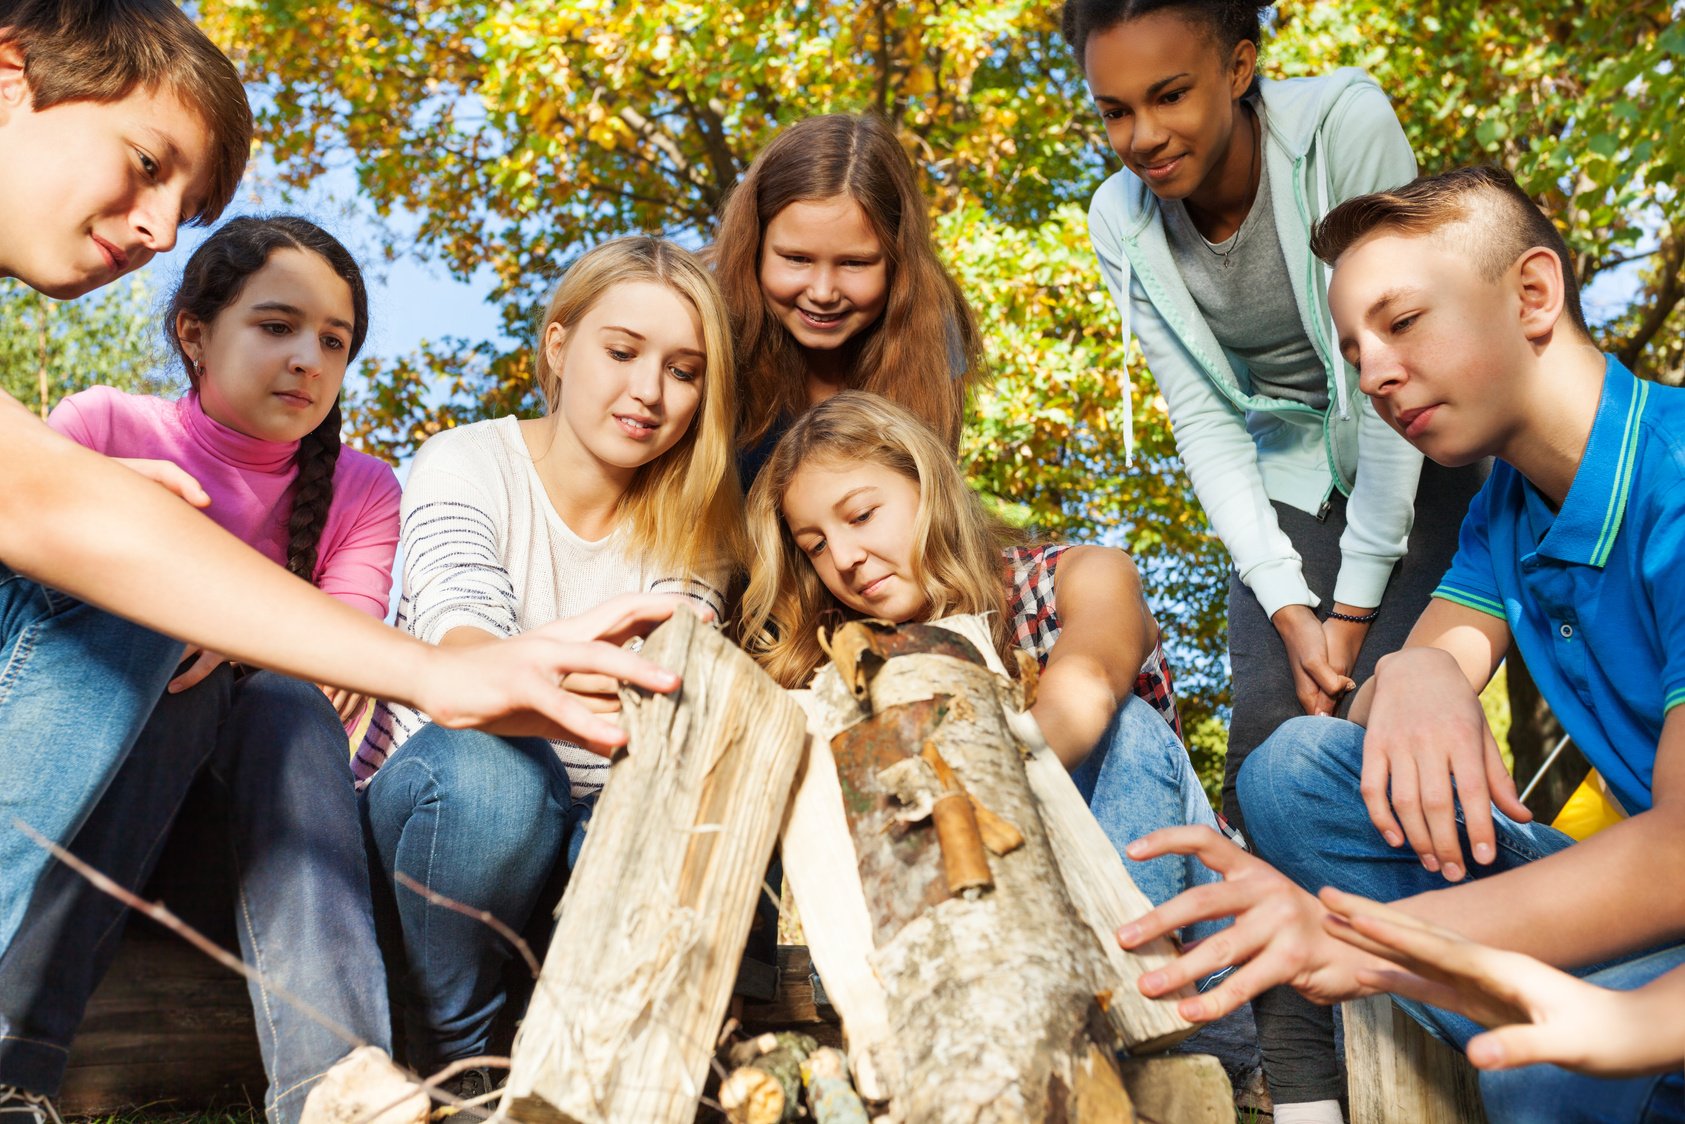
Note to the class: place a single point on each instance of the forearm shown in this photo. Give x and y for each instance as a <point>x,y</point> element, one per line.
<point>76,521</point>
<point>1561,908</point>
<point>1074,705</point>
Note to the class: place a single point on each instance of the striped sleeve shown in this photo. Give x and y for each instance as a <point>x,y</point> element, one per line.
<point>1472,581</point>
<point>450,536</point>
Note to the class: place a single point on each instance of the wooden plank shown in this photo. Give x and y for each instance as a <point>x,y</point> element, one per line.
<point>624,1019</point>
<point>166,1024</point>
<point>1398,1073</point>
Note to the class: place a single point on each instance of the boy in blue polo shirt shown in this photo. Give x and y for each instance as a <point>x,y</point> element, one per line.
<point>1454,298</point>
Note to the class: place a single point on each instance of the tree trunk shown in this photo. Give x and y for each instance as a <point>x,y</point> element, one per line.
<point>991,986</point>
<point>1533,733</point>
<point>626,1013</point>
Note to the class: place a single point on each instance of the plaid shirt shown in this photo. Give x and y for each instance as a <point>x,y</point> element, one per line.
<point>1035,625</point>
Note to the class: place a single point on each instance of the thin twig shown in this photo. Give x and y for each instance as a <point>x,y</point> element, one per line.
<point>161,914</point>
<point>484,916</point>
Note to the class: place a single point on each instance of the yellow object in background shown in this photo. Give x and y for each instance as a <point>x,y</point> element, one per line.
<point>1589,810</point>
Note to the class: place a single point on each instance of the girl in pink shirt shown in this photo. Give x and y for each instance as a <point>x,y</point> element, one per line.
<point>268,316</point>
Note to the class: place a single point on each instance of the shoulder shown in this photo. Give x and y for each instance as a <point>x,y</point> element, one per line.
<point>1347,101</point>
<point>357,472</point>
<point>469,450</point>
<point>107,403</point>
<point>1093,568</point>
<point>1120,204</point>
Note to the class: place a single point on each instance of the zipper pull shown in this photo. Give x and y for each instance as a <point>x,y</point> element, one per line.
<point>1322,512</point>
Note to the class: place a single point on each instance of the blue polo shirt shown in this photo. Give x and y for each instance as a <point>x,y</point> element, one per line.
<point>1594,594</point>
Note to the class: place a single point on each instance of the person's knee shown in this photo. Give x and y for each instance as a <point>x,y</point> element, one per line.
<point>1305,765</point>
<point>493,797</point>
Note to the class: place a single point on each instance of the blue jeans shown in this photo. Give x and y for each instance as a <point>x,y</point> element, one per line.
<point>1304,815</point>
<point>76,686</point>
<point>486,821</point>
<point>1137,780</point>
<point>281,815</point>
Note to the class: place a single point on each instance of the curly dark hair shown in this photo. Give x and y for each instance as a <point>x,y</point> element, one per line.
<point>213,279</point>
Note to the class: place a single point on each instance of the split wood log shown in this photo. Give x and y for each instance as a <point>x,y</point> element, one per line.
<point>1396,1071</point>
<point>625,1016</point>
<point>993,986</point>
<point>366,1087</point>
<point>766,1086</point>
<point>831,1098</point>
<point>1180,1089</point>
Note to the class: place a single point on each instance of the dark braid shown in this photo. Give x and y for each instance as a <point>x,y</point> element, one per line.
<point>318,456</point>
<point>211,281</point>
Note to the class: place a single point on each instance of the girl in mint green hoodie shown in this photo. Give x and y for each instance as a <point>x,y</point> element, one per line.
<point>1204,242</point>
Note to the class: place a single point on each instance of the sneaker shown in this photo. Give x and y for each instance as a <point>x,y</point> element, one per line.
<point>468,1085</point>
<point>20,1106</point>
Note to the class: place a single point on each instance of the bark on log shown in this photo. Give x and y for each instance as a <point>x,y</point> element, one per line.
<point>624,1019</point>
<point>993,994</point>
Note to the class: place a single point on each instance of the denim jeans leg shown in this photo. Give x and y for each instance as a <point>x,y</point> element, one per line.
<point>76,686</point>
<point>1137,780</point>
<point>305,923</point>
<point>479,819</point>
<point>1546,1092</point>
<point>71,930</point>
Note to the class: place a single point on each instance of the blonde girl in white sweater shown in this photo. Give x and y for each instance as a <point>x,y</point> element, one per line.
<point>627,484</point>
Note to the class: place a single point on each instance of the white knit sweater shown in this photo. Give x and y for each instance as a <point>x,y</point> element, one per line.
<point>483,547</point>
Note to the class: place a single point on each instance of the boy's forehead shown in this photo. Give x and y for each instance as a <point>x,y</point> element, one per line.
<point>1389,258</point>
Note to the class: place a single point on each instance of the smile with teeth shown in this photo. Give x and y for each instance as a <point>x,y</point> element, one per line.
<point>820,319</point>
<point>636,427</point>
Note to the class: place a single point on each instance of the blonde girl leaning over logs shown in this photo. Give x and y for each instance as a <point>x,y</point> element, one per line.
<point>860,512</point>
<point>825,258</point>
<point>625,485</point>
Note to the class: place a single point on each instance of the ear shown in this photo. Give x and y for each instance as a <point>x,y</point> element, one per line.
<point>1538,282</point>
<point>14,84</point>
<point>190,332</point>
<point>1243,67</point>
<point>555,342</point>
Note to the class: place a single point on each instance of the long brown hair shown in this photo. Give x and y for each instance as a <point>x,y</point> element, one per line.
<point>924,352</point>
<point>685,507</point>
<point>213,279</point>
<point>957,544</point>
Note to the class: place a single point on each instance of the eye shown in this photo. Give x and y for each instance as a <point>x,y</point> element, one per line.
<point>1403,323</point>
<point>276,327</point>
<point>795,259</point>
<point>333,343</point>
<point>147,165</point>
<point>815,548</point>
<point>621,354</point>
<point>684,374</point>
<point>863,516</point>
<point>1173,97</point>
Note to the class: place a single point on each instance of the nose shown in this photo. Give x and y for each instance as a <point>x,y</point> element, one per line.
<point>1146,136</point>
<point>822,285</point>
<point>847,552</point>
<point>643,382</point>
<point>308,355</point>
<point>1379,372</point>
<point>155,220</point>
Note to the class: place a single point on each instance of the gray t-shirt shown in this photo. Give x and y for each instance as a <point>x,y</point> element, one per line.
<point>1242,287</point>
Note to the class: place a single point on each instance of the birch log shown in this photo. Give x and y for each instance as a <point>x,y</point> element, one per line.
<point>626,1013</point>
<point>993,987</point>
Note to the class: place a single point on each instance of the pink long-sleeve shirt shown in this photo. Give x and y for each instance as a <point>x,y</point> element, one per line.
<point>250,481</point>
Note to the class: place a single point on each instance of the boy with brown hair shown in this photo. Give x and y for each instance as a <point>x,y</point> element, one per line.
<point>120,120</point>
<point>1456,299</point>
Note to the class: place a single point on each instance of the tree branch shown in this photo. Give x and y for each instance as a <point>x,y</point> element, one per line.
<point>1670,290</point>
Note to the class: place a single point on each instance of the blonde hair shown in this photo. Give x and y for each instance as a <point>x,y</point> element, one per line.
<point>685,508</point>
<point>924,351</point>
<point>957,544</point>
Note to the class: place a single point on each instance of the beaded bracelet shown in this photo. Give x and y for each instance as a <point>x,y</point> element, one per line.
<point>1335,614</point>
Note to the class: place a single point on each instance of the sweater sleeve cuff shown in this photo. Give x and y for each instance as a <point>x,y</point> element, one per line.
<point>1279,583</point>
<point>1363,580</point>
<point>467,616</point>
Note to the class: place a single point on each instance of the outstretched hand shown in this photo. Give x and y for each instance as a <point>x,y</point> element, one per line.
<point>1538,1013</point>
<point>1277,937</point>
<point>514,686</point>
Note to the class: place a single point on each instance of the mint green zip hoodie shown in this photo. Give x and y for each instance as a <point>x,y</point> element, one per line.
<point>1328,138</point>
